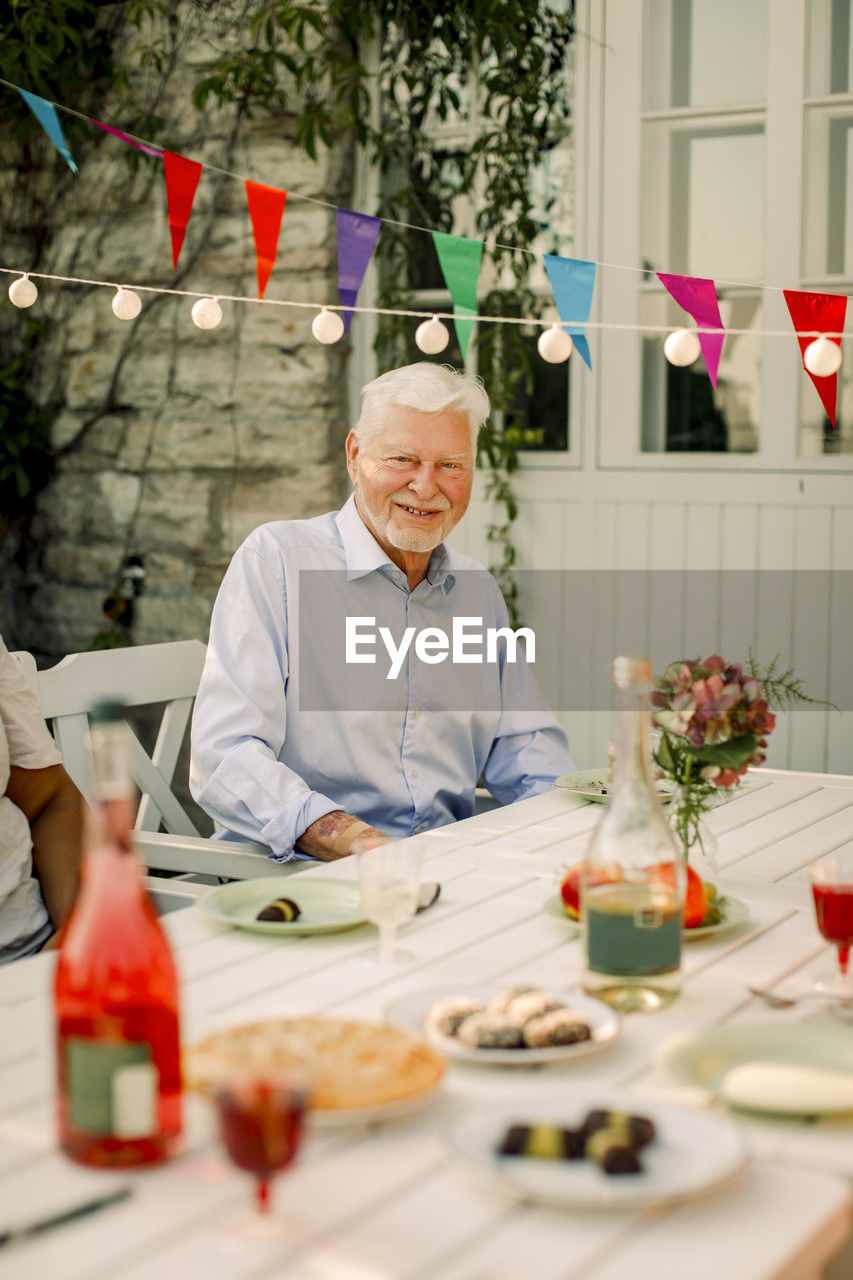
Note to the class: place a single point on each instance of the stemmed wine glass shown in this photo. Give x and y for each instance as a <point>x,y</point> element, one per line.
<point>261,1115</point>
<point>389,878</point>
<point>832,891</point>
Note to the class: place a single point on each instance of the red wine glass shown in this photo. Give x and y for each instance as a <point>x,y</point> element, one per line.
<point>261,1116</point>
<point>832,891</point>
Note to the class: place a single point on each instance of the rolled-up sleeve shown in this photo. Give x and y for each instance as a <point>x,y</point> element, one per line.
<point>240,716</point>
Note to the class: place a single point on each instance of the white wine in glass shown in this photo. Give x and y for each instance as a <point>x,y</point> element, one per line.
<point>389,879</point>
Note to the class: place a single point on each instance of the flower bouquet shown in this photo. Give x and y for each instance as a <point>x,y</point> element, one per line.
<point>714,719</point>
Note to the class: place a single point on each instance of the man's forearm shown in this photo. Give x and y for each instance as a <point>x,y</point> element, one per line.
<point>337,835</point>
<point>57,836</point>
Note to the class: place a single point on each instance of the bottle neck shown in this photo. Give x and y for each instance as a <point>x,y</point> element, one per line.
<point>113,795</point>
<point>632,766</point>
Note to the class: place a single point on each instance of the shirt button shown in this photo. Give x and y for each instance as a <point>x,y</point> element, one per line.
<point>418,830</point>
<point>415,715</point>
<point>414,773</point>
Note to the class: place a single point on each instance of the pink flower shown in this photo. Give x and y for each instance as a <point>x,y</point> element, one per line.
<point>714,663</point>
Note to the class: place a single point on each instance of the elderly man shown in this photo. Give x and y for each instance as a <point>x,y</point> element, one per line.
<point>318,730</point>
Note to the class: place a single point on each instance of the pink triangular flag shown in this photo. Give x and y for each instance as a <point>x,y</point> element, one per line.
<point>698,297</point>
<point>182,177</point>
<point>266,209</point>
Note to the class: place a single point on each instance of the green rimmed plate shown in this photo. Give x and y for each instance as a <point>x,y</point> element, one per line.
<point>732,910</point>
<point>595,784</point>
<point>326,906</point>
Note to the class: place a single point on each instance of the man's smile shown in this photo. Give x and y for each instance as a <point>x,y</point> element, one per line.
<point>420,511</point>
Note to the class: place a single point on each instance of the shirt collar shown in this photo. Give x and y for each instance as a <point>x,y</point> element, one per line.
<point>364,555</point>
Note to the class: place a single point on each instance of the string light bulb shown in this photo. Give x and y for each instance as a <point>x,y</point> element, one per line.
<point>432,336</point>
<point>555,345</point>
<point>822,357</point>
<point>126,304</point>
<point>22,292</point>
<point>206,313</point>
<point>682,347</point>
<point>327,326</point>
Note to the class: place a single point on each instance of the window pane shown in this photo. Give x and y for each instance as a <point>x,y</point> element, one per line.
<point>830,50</point>
<point>828,241</point>
<point>715,221</point>
<point>714,54</point>
<point>681,410</point>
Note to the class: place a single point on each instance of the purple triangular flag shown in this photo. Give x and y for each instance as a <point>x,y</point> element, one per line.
<point>357,234</point>
<point>698,297</point>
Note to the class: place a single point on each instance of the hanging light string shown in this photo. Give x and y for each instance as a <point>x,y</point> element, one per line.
<point>403,313</point>
<point>394,222</point>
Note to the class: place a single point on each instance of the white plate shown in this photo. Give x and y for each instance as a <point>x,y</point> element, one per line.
<point>707,1058</point>
<point>692,1152</point>
<point>595,784</point>
<point>326,905</point>
<point>410,1013</point>
<point>340,1117</point>
<point>734,911</point>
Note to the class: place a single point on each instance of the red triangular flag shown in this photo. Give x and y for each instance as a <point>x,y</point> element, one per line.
<point>824,312</point>
<point>182,177</point>
<point>266,209</point>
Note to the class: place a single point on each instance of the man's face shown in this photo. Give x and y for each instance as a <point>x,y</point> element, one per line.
<point>413,478</point>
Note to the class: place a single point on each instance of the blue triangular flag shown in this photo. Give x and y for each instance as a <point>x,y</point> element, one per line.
<point>572,283</point>
<point>45,113</point>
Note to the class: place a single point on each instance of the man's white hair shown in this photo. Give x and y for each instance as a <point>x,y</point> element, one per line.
<point>430,388</point>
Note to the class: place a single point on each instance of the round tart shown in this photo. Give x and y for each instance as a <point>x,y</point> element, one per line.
<point>353,1064</point>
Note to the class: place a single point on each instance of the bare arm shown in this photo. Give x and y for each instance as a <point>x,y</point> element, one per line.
<point>54,809</point>
<point>337,835</point>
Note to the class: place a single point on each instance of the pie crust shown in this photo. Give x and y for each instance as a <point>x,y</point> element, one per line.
<point>351,1064</point>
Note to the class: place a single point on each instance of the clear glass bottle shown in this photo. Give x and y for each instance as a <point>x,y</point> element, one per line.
<point>632,881</point>
<point>116,986</point>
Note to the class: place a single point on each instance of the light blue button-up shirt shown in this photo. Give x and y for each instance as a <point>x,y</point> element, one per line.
<point>289,726</point>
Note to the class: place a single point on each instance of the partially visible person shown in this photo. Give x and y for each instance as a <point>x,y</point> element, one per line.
<point>41,820</point>
<point>299,750</point>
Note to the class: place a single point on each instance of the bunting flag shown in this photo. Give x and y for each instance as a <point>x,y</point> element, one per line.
<point>825,312</point>
<point>266,209</point>
<point>45,113</point>
<point>698,297</point>
<point>572,282</point>
<point>182,177</point>
<point>357,236</point>
<point>459,259</point>
<point>125,137</point>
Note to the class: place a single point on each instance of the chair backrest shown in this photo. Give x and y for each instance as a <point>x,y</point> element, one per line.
<point>141,675</point>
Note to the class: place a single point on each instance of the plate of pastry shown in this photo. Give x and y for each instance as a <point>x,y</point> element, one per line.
<point>286,906</point>
<point>517,1025</point>
<point>360,1071</point>
<point>598,1150</point>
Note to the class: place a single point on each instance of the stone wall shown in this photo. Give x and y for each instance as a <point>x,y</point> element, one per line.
<point>174,443</point>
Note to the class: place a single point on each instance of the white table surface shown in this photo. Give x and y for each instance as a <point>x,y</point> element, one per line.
<point>388,1201</point>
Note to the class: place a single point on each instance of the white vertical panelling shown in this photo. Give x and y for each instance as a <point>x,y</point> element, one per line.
<point>774,618</point>
<point>840,727</point>
<point>703,530</point>
<point>667,583</point>
<point>542,605</point>
<point>809,653</point>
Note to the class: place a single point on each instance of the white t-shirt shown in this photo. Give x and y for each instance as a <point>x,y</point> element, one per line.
<point>24,741</point>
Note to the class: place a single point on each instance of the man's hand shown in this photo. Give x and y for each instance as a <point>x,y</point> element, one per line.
<point>337,835</point>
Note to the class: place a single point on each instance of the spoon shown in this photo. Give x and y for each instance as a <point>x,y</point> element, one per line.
<point>776,1001</point>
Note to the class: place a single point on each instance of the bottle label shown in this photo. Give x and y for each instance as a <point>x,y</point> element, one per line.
<point>638,943</point>
<point>112,1088</point>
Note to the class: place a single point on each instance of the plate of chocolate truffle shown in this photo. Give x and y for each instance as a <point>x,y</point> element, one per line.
<point>518,1026</point>
<point>599,1151</point>
<point>286,906</point>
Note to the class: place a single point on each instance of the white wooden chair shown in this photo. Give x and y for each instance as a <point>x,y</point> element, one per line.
<point>146,675</point>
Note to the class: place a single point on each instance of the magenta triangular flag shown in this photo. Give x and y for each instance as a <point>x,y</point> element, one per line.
<point>698,297</point>
<point>357,235</point>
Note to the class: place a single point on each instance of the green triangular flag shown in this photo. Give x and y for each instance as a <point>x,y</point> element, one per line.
<point>459,259</point>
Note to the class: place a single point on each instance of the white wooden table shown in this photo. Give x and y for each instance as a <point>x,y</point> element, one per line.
<point>389,1201</point>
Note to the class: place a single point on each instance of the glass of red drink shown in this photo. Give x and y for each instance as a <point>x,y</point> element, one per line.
<point>832,891</point>
<point>260,1117</point>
